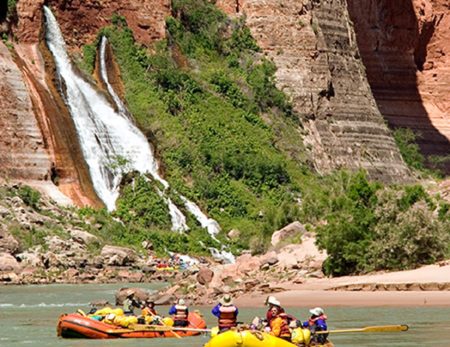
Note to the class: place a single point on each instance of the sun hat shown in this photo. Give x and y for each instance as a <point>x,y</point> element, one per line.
<point>226,300</point>
<point>271,300</point>
<point>316,311</point>
<point>181,302</point>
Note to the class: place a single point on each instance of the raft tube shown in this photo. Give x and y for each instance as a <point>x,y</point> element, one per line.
<point>76,325</point>
<point>247,338</point>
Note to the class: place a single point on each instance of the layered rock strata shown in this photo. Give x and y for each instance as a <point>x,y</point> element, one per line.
<point>405,49</point>
<point>314,47</point>
<point>23,152</point>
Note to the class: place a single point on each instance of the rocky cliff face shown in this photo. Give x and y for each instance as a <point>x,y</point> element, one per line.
<point>39,141</point>
<point>405,49</point>
<point>314,47</point>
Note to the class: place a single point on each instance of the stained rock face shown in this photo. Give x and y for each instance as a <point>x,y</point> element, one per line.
<point>23,153</point>
<point>405,48</point>
<point>314,47</point>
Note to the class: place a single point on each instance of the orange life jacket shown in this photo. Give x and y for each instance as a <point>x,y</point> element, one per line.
<point>181,314</point>
<point>227,317</point>
<point>280,326</point>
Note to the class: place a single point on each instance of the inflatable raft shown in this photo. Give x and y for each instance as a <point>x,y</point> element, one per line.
<point>249,338</point>
<point>76,325</point>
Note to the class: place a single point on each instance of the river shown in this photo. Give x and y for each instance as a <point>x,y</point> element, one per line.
<point>28,316</point>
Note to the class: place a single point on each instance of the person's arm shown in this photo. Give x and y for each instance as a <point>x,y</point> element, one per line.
<point>322,324</point>
<point>216,311</point>
<point>237,311</point>
<point>172,310</point>
<point>276,327</point>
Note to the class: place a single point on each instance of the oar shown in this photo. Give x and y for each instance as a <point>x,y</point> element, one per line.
<point>371,329</point>
<point>165,325</point>
<point>155,328</point>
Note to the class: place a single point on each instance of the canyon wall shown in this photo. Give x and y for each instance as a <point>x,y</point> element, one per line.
<point>39,142</point>
<point>313,45</point>
<point>405,46</point>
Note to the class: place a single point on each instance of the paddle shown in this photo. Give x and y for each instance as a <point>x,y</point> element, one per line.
<point>156,328</point>
<point>165,325</point>
<point>371,329</point>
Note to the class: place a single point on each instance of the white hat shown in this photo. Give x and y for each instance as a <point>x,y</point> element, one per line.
<point>271,300</point>
<point>316,311</point>
<point>181,302</point>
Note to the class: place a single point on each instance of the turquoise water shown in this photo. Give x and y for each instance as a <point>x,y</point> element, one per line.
<point>28,317</point>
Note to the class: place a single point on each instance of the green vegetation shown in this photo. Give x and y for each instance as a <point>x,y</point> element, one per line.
<point>406,142</point>
<point>230,141</point>
<point>12,11</point>
<point>29,196</point>
<point>371,228</point>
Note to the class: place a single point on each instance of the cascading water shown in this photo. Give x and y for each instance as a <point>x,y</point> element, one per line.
<point>107,136</point>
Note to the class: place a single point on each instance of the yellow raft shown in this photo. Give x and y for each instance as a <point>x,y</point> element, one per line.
<point>247,338</point>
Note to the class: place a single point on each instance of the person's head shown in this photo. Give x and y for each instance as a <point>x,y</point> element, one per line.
<point>226,300</point>
<point>316,311</point>
<point>275,310</point>
<point>272,301</point>
<point>150,303</point>
<point>129,293</point>
<point>181,302</point>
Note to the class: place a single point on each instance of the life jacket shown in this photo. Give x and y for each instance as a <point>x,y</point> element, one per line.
<point>227,317</point>
<point>285,331</point>
<point>280,326</point>
<point>181,313</point>
<point>269,315</point>
<point>312,321</point>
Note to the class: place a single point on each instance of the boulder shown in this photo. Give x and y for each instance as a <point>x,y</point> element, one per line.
<point>291,230</point>
<point>8,262</point>
<point>234,234</point>
<point>82,237</point>
<point>32,259</point>
<point>205,276</point>
<point>8,244</point>
<point>118,256</point>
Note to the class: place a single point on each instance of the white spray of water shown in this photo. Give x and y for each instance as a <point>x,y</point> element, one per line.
<point>106,136</point>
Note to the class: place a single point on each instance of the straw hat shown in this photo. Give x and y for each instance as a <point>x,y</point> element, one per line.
<point>316,311</point>
<point>129,292</point>
<point>226,300</point>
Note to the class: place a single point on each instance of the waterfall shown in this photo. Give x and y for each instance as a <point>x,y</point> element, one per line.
<point>108,137</point>
<point>104,73</point>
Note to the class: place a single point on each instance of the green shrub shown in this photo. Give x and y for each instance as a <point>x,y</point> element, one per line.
<point>406,142</point>
<point>29,196</point>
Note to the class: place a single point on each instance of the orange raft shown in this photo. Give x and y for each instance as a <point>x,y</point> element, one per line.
<point>75,325</point>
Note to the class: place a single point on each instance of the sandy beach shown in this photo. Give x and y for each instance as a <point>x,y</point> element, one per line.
<point>335,291</point>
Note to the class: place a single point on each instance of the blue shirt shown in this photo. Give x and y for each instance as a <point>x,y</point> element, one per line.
<point>216,310</point>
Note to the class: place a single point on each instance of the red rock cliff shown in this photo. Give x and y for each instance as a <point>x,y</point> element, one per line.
<point>313,44</point>
<point>405,46</point>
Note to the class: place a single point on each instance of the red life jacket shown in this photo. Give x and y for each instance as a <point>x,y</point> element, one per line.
<point>312,321</point>
<point>181,314</point>
<point>227,317</point>
<point>285,331</point>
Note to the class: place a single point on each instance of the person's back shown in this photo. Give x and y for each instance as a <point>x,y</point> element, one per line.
<point>227,313</point>
<point>180,313</point>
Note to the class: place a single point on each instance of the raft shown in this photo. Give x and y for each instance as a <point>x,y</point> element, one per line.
<point>247,338</point>
<point>76,325</point>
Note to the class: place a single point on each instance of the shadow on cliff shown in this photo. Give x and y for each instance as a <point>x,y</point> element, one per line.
<point>393,50</point>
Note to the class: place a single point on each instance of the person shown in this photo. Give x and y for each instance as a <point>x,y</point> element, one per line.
<point>317,322</point>
<point>226,312</point>
<point>149,308</point>
<point>271,301</point>
<point>279,324</point>
<point>130,302</point>
<point>180,313</point>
